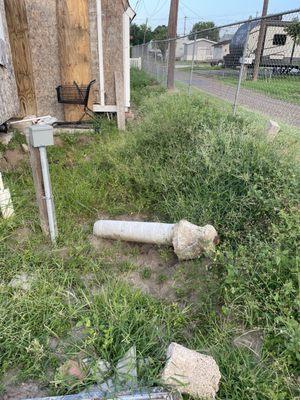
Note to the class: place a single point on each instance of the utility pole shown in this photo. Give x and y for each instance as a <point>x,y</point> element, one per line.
<point>145,31</point>
<point>184,29</point>
<point>172,33</point>
<point>260,41</point>
<point>144,40</point>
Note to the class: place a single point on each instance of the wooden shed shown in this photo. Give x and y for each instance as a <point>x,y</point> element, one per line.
<point>57,42</point>
<point>8,89</point>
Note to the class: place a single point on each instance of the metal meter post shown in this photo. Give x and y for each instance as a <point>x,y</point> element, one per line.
<point>41,136</point>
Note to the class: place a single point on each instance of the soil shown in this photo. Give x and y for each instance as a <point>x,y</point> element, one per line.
<point>58,142</point>
<point>14,157</point>
<point>20,391</point>
<point>159,270</point>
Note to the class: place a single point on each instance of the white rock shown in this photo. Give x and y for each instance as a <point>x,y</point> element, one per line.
<point>272,129</point>
<point>21,281</point>
<point>24,147</point>
<point>191,372</point>
<point>190,240</point>
<point>5,138</point>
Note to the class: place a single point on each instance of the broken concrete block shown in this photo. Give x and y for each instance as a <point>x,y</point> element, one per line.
<point>272,129</point>
<point>126,369</point>
<point>191,372</point>
<point>190,240</point>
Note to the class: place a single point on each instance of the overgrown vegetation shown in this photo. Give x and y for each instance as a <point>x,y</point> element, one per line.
<point>182,158</point>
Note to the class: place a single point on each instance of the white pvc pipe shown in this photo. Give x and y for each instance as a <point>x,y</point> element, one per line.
<point>48,194</point>
<point>132,231</point>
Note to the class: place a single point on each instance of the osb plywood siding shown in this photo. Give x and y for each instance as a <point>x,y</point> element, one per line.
<point>9,103</point>
<point>94,49</point>
<point>16,17</point>
<point>112,22</point>
<point>42,27</point>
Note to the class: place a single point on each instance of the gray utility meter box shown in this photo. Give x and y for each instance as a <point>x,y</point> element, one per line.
<point>41,135</point>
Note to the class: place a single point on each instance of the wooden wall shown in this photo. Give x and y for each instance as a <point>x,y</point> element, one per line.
<point>9,104</point>
<point>112,22</point>
<point>19,41</point>
<point>42,28</point>
<point>74,47</point>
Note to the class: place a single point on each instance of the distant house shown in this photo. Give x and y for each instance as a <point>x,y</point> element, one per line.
<point>180,42</point>
<point>278,46</point>
<point>56,42</point>
<point>203,50</point>
<point>9,106</point>
<point>220,50</point>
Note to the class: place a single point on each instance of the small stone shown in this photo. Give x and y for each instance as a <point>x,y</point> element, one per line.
<point>5,138</point>
<point>24,147</point>
<point>72,369</point>
<point>190,240</point>
<point>14,157</point>
<point>21,281</point>
<point>191,372</point>
<point>272,129</point>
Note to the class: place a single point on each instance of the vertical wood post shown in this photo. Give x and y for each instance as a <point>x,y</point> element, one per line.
<point>172,33</point>
<point>119,87</point>
<point>260,41</point>
<point>35,162</point>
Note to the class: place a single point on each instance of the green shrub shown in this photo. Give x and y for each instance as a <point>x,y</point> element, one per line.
<point>186,159</point>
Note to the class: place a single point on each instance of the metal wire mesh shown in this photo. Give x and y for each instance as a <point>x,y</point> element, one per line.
<point>225,62</point>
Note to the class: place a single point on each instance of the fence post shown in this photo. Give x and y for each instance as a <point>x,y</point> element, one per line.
<point>155,61</point>
<point>238,89</point>
<point>192,66</point>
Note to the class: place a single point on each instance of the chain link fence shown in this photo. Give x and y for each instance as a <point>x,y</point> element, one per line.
<point>228,63</point>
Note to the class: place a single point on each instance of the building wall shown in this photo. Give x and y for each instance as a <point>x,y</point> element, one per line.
<point>219,52</point>
<point>203,51</point>
<point>271,50</point>
<point>9,104</point>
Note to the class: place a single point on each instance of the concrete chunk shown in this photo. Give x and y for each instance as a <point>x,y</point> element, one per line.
<point>191,372</point>
<point>190,240</point>
<point>272,129</point>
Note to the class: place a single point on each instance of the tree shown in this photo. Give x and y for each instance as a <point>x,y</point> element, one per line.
<point>211,34</point>
<point>293,30</point>
<point>140,32</point>
<point>161,33</point>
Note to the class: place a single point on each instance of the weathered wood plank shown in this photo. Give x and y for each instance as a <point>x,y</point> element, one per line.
<point>119,87</point>
<point>35,162</point>
<point>74,47</point>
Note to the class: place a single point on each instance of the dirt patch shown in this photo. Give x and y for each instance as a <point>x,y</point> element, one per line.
<point>14,157</point>
<point>85,139</point>
<point>58,142</point>
<point>23,391</point>
<point>21,235</point>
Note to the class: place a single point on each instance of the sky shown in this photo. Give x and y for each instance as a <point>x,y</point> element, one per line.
<point>219,11</point>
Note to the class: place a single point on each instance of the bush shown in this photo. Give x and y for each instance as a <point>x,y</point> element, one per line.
<point>186,159</point>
